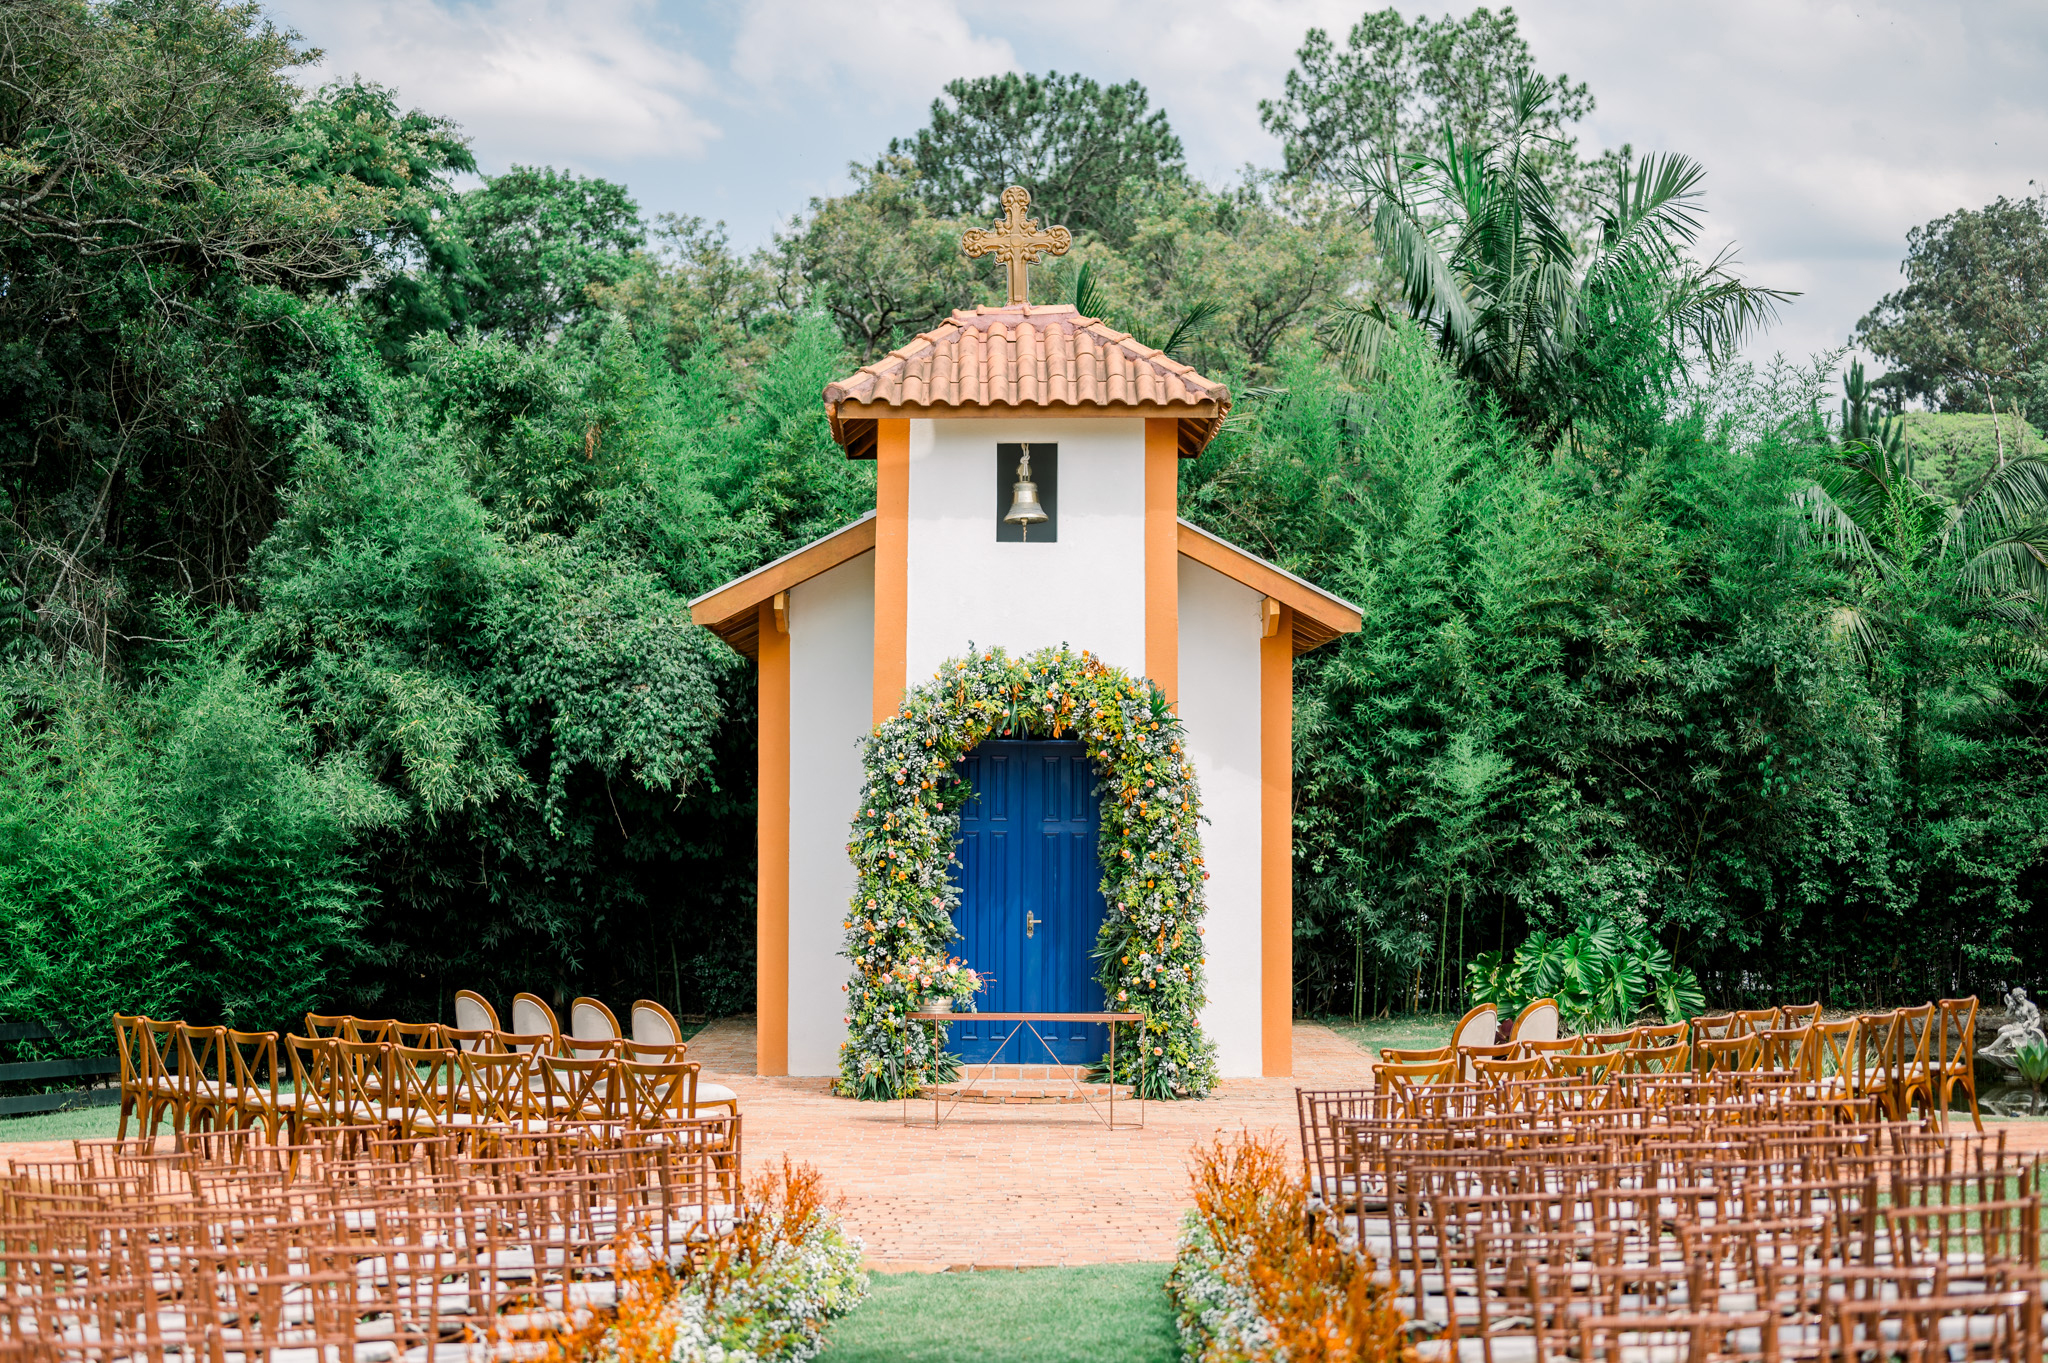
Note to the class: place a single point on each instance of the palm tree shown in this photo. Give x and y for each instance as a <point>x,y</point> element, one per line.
<point>1935,583</point>
<point>1487,264</point>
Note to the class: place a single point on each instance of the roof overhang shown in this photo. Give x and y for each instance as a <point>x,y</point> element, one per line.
<point>1319,617</point>
<point>853,423</point>
<point>733,612</point>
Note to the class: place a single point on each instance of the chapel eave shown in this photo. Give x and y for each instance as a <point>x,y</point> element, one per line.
<point>1319,616</point>
<point>732,611</point>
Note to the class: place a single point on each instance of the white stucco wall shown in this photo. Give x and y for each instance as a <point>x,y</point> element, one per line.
<point>831,690</point>
<point>1087,589</point>
<point>1219,701</point>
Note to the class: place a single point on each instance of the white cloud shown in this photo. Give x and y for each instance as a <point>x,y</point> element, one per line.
<point>532,80</point>
<point>887,52</point>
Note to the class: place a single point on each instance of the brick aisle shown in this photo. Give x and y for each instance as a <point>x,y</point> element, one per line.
<point>1008,1186</point>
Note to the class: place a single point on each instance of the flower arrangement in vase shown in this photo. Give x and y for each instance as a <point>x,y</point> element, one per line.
<point>943,984</point>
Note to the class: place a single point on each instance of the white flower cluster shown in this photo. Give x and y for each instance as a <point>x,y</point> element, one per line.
<point>771,1311</point>
<point>1218,1319</point>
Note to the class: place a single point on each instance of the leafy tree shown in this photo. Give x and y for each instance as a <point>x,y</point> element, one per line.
<point>1396,87</point>
<point>544,240</point>
<point>698,293</point>
<point>877,261</point>
<point>1078,146</point>
<point>1953,451</point>
<point>1485,263</point>
<point>1969,331</point>
<point>422,269</point>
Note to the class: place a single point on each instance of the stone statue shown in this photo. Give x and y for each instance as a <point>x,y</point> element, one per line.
<point>2024,1027</point>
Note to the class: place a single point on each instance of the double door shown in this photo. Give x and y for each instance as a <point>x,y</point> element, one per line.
<point>1030,908</point>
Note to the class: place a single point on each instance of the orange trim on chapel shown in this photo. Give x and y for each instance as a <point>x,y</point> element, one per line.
<point>1162,554</point>
<point>771,885</point>
<point>1276,848</point>
<point>892,562</point>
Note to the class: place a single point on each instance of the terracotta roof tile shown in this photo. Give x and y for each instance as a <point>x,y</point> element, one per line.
<point>1023,356</point>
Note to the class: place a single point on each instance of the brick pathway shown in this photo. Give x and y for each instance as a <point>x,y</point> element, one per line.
<point>1007,1186</point>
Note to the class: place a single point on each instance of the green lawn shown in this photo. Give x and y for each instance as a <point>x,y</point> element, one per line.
<point>84,1123</point>
<point>1410,1032</point>
<point>1108,1313</point>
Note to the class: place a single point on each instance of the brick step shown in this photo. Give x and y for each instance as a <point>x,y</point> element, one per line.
<point>1047,1073</point>
<point>1021,1092</point>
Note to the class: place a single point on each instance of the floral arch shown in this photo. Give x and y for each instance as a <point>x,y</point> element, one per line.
<point>900,920</point>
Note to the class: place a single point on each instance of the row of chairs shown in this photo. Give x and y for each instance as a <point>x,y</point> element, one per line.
<point>1708,1216</point>
<point>1903,1058</point>
<point>354,1247</point>
<point>414,1078</point>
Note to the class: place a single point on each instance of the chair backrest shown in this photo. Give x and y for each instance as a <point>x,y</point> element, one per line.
<point>656,1093</point>
<point>1427,1072</point>
<point>494,1085</point>
<point>591,1020</point>
<point>470,1038</point>
<point>1591,1042</point>
<point>1918,1037</point>
<point>1664,1034</point>
<point>652,1022</point>
<point>1652,1059</point>
<point>1958,1053</point>
<point>202,1056</point>
<point>1564,1045</point>
<point>427,1083</point>
<point>1789,1048</point>
<point>327,1024</point>
<point>1478,1027</point>
<point>1587,1067</point>
<point>473,1012</point>
<point>1798,1014</point>
<point>1395,1056</point>
<point>1877,1054</point>
<point>653,1052</point>
<point>369,1029</point>
<point>1733,1053</point>
<point>527,1043</point>
<point>132,1051</point>
<point>419,1036</point>
<point>1537,1022</point>
<point>1501,1071</point>
<point>315,1081</point>
<point>1753,1020</point>
<point>161,1039</point>
<point>252,1058</point>
<point>580,1090</point>
<point>1834,1048</point>
<point>530,1013</point>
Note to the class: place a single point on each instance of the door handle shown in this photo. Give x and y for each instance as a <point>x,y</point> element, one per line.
<point>1030,922</point>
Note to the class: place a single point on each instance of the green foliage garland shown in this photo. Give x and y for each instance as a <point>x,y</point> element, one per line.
<point>907,826</point>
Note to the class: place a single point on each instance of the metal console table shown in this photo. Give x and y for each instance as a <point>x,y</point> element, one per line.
<point>1024,1021</point>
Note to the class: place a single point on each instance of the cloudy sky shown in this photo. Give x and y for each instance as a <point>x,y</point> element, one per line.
<point>1827,129</point>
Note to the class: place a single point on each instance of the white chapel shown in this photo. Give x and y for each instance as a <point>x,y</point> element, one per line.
<point>1027,462</point>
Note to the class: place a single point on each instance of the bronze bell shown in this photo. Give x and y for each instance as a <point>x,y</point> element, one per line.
<point>1024,508</point>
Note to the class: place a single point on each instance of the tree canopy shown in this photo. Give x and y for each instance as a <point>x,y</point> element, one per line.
<point>1083,149</point>
<point>1969,331</point>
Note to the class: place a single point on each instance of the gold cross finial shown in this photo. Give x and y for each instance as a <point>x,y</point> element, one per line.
<point>1016,241</point>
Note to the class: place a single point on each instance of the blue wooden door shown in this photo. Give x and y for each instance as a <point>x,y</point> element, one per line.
<point>1029,904</point>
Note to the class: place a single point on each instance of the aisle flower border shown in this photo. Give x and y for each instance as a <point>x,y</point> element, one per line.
<point>907,827</point>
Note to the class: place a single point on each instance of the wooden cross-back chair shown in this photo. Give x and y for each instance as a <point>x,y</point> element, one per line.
<point>168,1087</point>
<point>1919,1038</point>
<point>1877,1060</point>
<point>427,1088</point>
<point>205,1075</point>
<point>1956,1063</point>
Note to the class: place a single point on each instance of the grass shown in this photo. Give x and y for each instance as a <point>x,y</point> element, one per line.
<point>1106,1313</point>
<point>85,1123</point>
<point>1408,1032</point>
